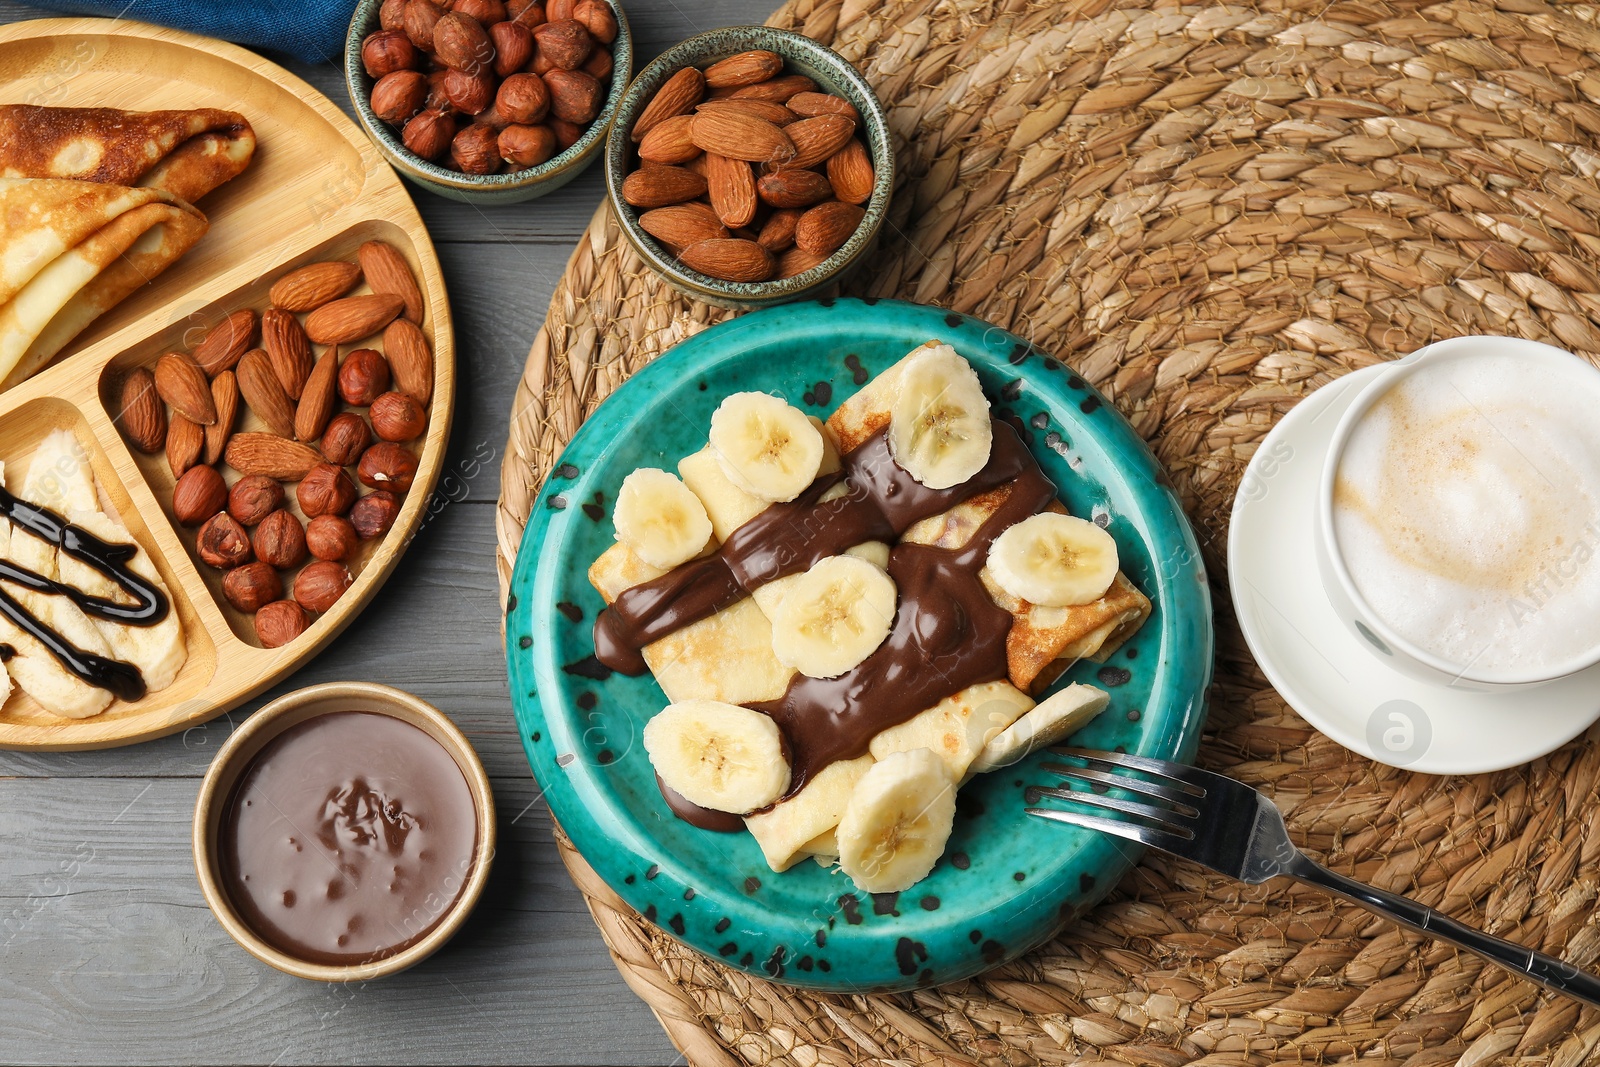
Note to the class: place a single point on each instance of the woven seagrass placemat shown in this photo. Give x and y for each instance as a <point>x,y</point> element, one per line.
<point>1209,210</point>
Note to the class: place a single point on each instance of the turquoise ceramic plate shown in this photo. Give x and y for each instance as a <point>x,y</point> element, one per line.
<point>1007,881</point>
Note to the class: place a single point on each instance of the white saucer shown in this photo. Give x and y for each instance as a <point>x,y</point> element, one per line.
<point>1339,684</point>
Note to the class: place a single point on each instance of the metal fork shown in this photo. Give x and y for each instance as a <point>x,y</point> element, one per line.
<point>1237,831</point>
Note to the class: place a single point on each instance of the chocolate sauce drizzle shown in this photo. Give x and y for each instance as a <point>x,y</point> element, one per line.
<point>149,605</point>
<point>948,632</point>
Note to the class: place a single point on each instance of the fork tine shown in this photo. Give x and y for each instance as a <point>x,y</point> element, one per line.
<point>1176,796</point>
<point>1192,780</point>
<point>1162,817</point>
<point>1144,835</point>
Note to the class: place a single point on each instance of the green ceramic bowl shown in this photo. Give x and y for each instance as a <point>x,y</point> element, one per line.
<point>1006,882</point>
<point>485,189</point>
<point>833,74</point>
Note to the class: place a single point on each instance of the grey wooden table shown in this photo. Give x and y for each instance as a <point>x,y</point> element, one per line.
<point>107,951</point>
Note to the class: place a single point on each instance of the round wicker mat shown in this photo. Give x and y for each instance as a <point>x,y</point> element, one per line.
<point>1209,210</point>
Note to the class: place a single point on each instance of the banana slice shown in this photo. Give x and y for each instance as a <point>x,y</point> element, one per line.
<point>897,822</point>
<point>660,518</point>
<point>939,428</point>
<point>158,651</point>
<point>768,448</point>
<point>1055,560</point>
<point>833,616</point>
<point>719,756</point>
<point>1052,721</point>
<point>59,476</point>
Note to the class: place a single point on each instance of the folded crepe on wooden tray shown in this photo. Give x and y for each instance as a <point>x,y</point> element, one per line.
<point>186,153</point>
<point>70,250</point>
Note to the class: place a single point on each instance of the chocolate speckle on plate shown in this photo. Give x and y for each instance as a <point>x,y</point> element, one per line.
<point>952,320</point>
<point>1019,354</point>
<point>723,924</point>
<point>728,949</point>
<point>587,701</point>
<point>676,923</point>
<point>852,908</point>
<point>1040,421</point>
<point>590,668</point>
<point>570,610</point>
<point>1085,882</point>
<point>1089,405</point>
<point>557,503</point>
<point>1018,876</point>
<point>511,603</point>
<point>1113,676</point>
<point>596,509</point>
<point>960,860</point>
<point>688,894</point>
<point>975,936</point>
<point>565,759</point>
<point>747,959</point>
<point>524,641</point>
<point>605,757</point>
<point>1075,382</point>
<point>993,951</point>
<point>774,964</point>
<point>751,884</point>
<point>566,470</point>
<point>886,903</point>
<point>805,963</point>
<point>651,872</point>
<point>929,903</point>
<point>909,955</point>
<point>822,938</point>
<point>1012,390</point>
<point>823,391</point>
<point>632,878</point>
<point>650,913</point>
<point>536,736</point>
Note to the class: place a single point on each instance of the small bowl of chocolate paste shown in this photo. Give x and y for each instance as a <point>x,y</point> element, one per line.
<point>344,832</point>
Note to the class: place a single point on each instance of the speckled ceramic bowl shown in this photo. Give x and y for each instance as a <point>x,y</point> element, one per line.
<point>833,74</point>
<point>1006,882</point>
<point>485,189</point>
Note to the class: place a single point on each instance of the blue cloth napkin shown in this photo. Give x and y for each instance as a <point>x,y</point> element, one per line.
<point>312,30</point>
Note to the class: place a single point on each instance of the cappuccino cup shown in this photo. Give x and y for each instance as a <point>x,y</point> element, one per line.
<point>1458,525</point>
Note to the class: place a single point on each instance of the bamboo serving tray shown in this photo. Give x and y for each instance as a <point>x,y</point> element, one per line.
<point>315,190</point>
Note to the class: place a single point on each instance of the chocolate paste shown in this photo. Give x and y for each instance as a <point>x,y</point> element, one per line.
<point>348,838</point>
<point>948,632</point>
<point>149,605</point>
<point>693,814</point>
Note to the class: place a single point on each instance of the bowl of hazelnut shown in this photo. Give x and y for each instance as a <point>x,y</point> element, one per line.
<point>488,101</point>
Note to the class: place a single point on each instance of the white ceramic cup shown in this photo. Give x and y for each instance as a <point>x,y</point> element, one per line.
<point>1353,609</point>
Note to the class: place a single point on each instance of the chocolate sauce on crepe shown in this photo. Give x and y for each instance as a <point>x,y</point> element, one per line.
<point>948,632</point>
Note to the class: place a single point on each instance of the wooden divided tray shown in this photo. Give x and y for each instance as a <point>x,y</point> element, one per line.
<point>315,190</point>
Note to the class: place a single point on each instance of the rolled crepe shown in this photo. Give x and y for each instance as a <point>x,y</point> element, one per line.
<point>185,153</point>
<point>70,250</point>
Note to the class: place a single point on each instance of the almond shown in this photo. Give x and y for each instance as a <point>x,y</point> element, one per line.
<point>732,187</point>
<point>656,186</point>
<point>387,271</point>
<point>140,412</point>
<point>410,359</point>
<point>677,94</point>
<point>319,397</point>
<point>669,142</point>
<point>793,188</point>
<point>185,440</point>
<point>681,225</point>
<point>796,261</point>
<point>271,455</point>
<point>352,318</point>
<point>776,114</point>
<point>777,233</point>
<point>259,385</point>
<point>827,226</point>
<point>817,139</point>
<point>224,345</point>
<point>746,68</point>
<point>182,383</point>
<point>729,259</point>
<point>739,135</point>
<point>288,347</point>
<point>813,104</point>
<point>778,90</point>
<point>851,174</point>
<point>313,285</point>
<point>225,396</point>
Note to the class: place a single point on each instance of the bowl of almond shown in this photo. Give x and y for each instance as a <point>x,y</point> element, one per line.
<point>750,166</point>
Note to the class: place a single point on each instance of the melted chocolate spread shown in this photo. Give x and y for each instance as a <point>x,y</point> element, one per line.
<point>948,632</point>
<point>149,604</point>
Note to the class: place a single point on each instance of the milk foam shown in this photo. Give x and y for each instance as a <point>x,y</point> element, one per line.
<point>1465,507</point>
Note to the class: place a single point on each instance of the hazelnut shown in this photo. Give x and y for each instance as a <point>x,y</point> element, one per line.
<point>363,377</point>
<point>392,15</point>
<point>567,133</point>
<point>527,146</point>
<point>557,10</point>
<point>485,11</point>
<point>574,96</point>
<point>529,13</point>
<point>387,465</point>
<point>476,151</point>
<point>345,439</point>
<point>387,51</point>
<point>254,497</point>
<point>374,513</point>
<point>437,101</point>
<point>199,494</point>
<point>222,542</point>
<point>400,95</point>
<point>320,584</point>
<point>540,64</point>
<point>598,18</point>
<point>523,99</point>
<point>428,135</point>
<point>461,43</point>
<point>564,44</point>
<point>420,19</point>
<point>397,417</point>
<point>325,490</point>
<point>469,93</point>
<point>333,537</point>
<point>513,47</point>
<point>599,66</point>
<point>280,540</point>
<point>492,118</point>
<point>280,622</point>
<point>251,587</point>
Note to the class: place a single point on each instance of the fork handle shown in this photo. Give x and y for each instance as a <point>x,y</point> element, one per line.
<point>1555,975</point>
